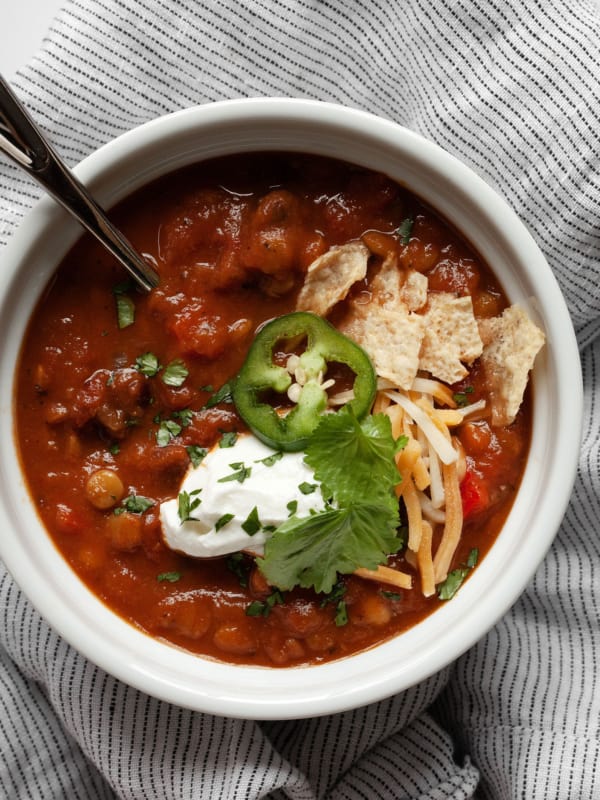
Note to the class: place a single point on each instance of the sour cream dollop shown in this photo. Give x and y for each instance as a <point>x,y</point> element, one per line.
<point>271,485</point>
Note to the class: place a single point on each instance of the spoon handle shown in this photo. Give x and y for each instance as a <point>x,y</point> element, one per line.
<point>22,141</point>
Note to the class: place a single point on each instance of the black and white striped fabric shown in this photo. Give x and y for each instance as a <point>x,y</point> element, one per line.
<point>512,87</point>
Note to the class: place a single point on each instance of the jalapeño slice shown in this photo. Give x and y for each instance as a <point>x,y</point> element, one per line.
<point>260,379</point>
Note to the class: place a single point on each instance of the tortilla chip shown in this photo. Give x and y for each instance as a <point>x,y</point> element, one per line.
<point>414,290</point>
<point>391,337</point>
<point>451,337</point>
<point>330,276</point>
<point>511,343</point>
<point>385,286</point>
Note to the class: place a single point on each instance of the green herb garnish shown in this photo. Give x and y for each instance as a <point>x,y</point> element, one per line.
<point>167,430</point>
<point>268,461</point>
<point>222,395</point>
<point>404,230</point>
<point>228,439</point>
<point>148,364</point>
<point>170,577</point>
<point>460,398</point>
<point>252,523</point>
<point>455,579</point>
<point>308,488</point>
<point>175,373</point>
<point>240,566</point>
<point>292,507</point>
<point>135,504</point>
<point>262,608</point>
<point>355,464</point>
<point>222,521</point>
<point>196,454</point>
<point>125,311</point>
<point>240,473</point>
<point>187,503</point>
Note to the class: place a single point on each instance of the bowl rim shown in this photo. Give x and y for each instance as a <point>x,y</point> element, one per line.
<point>224,689</point>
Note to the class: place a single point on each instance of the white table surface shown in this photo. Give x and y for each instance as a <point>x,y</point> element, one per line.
<point>23,26</point>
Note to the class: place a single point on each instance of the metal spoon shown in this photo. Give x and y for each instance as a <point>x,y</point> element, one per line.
<point>23,142</point>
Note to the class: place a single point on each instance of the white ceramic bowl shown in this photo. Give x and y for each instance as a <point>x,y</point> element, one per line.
<point>492,228</point>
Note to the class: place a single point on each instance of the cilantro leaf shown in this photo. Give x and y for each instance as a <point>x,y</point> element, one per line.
<point>311,551</point>
<point>228,439</point>
<point>187,502</point>
<point>252,524</point>
<point>222,395</point>
<point>125,310</point>
<point>175,373</point>
<point>171,577</point>
<point>168,429</point>
<point>135,504</point>
<point>148,364</point>
<point>222,521</point>
<point>240,474</point>
<point>405,228</point>
<point>354,461</point>
<point>196,454</point>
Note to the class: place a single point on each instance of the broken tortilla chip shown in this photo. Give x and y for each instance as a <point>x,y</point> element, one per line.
<point>511,343</point>
<point>330,276</point>
<point>451,337</point>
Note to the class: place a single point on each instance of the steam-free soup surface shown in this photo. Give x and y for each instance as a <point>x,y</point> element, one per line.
<point>105,438</point>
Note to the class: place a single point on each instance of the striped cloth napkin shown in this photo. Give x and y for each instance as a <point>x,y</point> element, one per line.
<point>512,87</point>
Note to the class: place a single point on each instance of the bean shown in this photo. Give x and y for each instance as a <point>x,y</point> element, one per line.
<point>104,489</point>
<point>125,531</point>
<point>371,610</point>
<point>234,639</point>
<point>283,650</point>
<point>185,614</point>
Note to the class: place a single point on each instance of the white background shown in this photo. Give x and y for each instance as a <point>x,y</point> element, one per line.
<point>23,25</point>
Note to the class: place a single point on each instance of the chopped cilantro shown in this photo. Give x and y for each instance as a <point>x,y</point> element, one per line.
<point>175,373</point>
<point>148,364</point>
<point>240,473</point>
<point>456,577</point>
<point>308,488</point>
<point>135,504</point>
<point>170,577</point>
<point>252,523</point>
<point>460,398</point>
<point>222,395</point>
<point>196,454</point>
<point>401,443</point>
<point>114,449</point>
<point>184,417</point>
<point>222,521</point>
<point>268,461</point>
<point>125,311</point>
<point>473,557</point>
<point>292,507</point>
<point>228,439</point>
<point>187,503</point>
<point>167,430</point>
<point>336,597</point>
<point>404,230</point>
<point>341,614</point>
<point>262,608</point>
<point>240,566</point>
<point>394,596</point>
